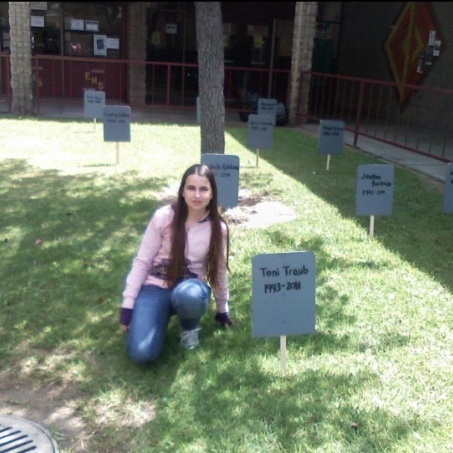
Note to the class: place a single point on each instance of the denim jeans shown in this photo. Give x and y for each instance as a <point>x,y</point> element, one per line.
<point>153,309</point>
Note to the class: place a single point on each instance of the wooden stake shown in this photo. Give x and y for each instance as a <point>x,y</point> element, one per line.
<point>371,226</point>
<point>283,353</point>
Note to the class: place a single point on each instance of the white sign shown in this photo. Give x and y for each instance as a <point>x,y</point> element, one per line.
<point>171,29</point>
<point>37,21</point>
<point>77,24</point>
<point>113,43</point>
<point>92,25</point>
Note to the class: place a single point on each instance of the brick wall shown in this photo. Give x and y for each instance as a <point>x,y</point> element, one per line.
<point>21,74</point>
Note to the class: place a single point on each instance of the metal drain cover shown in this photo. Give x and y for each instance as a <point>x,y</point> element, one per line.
<point>18,435</point>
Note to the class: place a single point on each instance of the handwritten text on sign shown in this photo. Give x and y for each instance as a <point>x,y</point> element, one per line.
<point>93,103</point>
<point>117,123</point>
<point>260,131</point>
<point>374,190</point>
<point>268,107</point>
<point>283,294</point>
<point>448,193</point>
<point>226,174</point>
<point>331,137</point>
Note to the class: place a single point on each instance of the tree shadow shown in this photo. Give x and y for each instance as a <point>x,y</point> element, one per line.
<point>416,210</point>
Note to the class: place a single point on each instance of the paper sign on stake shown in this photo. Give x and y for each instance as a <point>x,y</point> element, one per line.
<point>117,125</point>
<point>283,296</point>
<point>331,138</point>
<point>374,194</point>
<point>226,172</point>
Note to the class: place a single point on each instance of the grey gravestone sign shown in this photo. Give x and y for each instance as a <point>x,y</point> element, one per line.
<point>268,106</point>
<point>117,123</point>
<point>260,131</point>
<point>331,137</point>
<point>448,193</point>
<point>283,294</point>
<point>93,104</point>
<point>226,173</point>
<point>374,190</point>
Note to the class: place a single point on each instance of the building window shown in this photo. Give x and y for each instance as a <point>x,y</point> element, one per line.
<point>77,29</point>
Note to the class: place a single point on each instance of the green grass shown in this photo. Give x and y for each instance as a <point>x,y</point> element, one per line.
<point>375,377</point>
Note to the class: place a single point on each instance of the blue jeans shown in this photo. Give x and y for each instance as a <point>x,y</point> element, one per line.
<point>153,309</point>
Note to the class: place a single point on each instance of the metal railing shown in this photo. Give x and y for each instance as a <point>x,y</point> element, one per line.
<point>168,84</point>
<point>369,108</point>
<point>423,123</point>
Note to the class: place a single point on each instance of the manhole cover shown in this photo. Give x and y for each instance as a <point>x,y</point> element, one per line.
<point>18,435</point>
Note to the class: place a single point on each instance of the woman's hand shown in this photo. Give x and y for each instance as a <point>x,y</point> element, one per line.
<point>224,319</point>
<point>124,328</point>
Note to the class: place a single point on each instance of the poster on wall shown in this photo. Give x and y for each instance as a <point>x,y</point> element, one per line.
<point>92,25</point>
<point>37,21</point>
<point>77,24</point>
<point>113,43</point>
<point>100,45</point>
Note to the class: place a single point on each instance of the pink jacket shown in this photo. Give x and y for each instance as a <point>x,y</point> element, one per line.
<point>148,266</point>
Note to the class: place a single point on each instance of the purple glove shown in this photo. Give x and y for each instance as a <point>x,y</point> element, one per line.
<point>125,316</point>
<point>224,319</point>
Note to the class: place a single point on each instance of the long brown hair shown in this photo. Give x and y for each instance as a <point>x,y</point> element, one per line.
<point>217,245</point>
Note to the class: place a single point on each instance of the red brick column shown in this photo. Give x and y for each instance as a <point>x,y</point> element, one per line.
<point>21,73</point>
<point>137,51</point>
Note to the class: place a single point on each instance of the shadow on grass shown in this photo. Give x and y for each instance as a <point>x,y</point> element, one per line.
<point>67,246</point>
<point>418,230</point>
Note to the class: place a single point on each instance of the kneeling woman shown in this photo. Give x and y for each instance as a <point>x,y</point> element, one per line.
<point>183,254</point>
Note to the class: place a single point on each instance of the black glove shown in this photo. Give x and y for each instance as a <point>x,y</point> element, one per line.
<point>224,319</point>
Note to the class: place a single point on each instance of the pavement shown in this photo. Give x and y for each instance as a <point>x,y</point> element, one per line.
<point>423,164</point>
<point>420,163</point>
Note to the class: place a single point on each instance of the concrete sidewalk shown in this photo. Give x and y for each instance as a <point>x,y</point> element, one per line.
<point>423,164</point>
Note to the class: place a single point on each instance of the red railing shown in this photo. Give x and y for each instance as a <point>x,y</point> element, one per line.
<point>369,108</point>
<point>372,109</point>
<point>5,85</point>
<point>168,84</point>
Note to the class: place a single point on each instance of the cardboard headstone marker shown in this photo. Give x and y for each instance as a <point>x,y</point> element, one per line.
<point>268,106</point>
<point>117,123</point>
<point>331,137</point>
<point>283,294</point>
<point>374,189</point>
<point>260,131</point>
<point>93,104</point>
<point>226,172</point>
<point>448,193</point>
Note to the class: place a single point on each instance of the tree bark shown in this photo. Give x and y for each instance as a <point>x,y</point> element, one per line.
<point>209,29</point>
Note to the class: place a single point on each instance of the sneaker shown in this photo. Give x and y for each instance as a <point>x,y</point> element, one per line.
<point>189,338</point>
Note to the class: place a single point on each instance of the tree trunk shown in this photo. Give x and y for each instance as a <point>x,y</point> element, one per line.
<point>210,76</point>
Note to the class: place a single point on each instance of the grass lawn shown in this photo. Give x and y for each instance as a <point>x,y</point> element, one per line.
<point>377,376</point>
